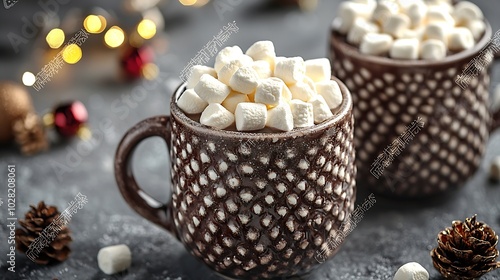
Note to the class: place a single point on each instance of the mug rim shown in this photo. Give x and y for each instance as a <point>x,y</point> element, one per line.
<point>339,41</point>
<point>343,112</point>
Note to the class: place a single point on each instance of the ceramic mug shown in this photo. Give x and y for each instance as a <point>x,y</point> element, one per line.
<point>447,99</point>
<point>249,205</point>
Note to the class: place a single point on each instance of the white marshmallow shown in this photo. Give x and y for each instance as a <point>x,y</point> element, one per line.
<point>360,28</point>
<point>233,99</point>
<point>231,66</point>
<point>348,13</point>
<point>416,12</point>
<point>227,71</point>
<point>396,24</point>
<point>318,69</point>
<point>476,27</point>
<point>280,117</point>
<point>191,103</point>
<point>404,5</point>
<point>263,69</point>
<point>211,90</point>
<point>250,116</point>
<point>466,11</point>
<point>216,116</point>
<point>286,94</point>
<point>290,70</point>
<point>338,25</point>
<point>433,49</point>
<point>330,91</point>
<point>269,91</point>
<point>437,30</point>
<point>196,72</point>
<point>302,91</point>
<point>245,80</point>
<point>321,111</point>
<point>113,259</point>
<point>436,2</point>
<point>302,113</point>
<point>460,38</point>
<point>225,56</point>
<point>310,83</point>
<point>442,5</point>
<point>262,50</point>
<point>412,33</point>
<point>436,14</point>
<point>495,169</point>
<point>405,49</point>
<point>384,10</point>
<point>376,44</point>
<point>411,271</point>
<point>371,3</point>
<point>278,59</point>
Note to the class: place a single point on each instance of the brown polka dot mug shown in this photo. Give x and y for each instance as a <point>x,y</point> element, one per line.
<point>447,100</point>
<point>249,205</point>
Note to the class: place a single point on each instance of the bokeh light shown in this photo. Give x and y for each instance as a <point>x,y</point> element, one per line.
<point>72,54</point>
<point>150,71</point>
<point>29,79</point>
<point>114,37</point>
<point>188,2</point>
<point>94,24</point>
<point>55,38</point>
<point>146,29</point>
<point>84,133</point>
<point>201,3</point>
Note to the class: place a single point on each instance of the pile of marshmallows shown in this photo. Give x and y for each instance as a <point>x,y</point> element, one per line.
<point>410,29</point>
<point>258,90</point>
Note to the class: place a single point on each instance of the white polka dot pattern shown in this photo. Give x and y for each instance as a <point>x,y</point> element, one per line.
<point>261,208</point>
<point>387,98</point>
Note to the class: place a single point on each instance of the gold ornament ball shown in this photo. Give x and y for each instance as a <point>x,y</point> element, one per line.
<point>15,103</point>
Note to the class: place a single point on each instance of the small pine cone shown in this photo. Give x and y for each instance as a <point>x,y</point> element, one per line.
<point>36,220</point>
<point>467,250</point>
<point>30,134</point>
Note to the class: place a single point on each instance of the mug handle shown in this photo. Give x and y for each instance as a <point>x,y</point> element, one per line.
<point>139,200</point>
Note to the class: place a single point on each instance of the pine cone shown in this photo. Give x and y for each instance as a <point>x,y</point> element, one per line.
<point>29,134</point>
<point>36,220</point>
<point>467,250</point>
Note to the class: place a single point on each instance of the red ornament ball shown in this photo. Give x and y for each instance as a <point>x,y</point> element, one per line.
<point>69,118</point>
<point>134,60</point>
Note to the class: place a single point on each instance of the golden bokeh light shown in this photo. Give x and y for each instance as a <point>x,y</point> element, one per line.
<point>146,29</point>
<point>114,37</point>
<point>150,71</point>
<point>201,3</point>
<point>84,133</point>
<point>48,119</point>
<point>72,54</point>
<point>29,79</point>
<point>188,2</point>
<point>55,38</point>
<point>94,24</point>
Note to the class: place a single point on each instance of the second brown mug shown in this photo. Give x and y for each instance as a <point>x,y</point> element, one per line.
<point>421,126</point>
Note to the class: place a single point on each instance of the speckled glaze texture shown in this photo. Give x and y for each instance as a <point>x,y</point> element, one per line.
<point>388,95</point>
<point>252,205</point>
